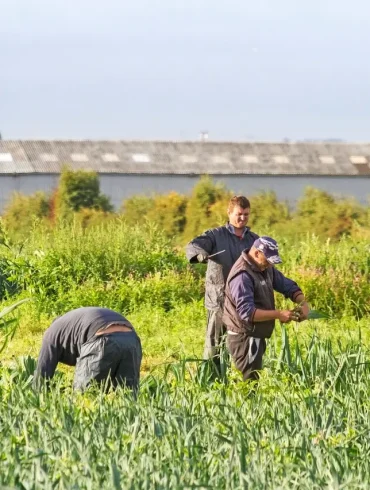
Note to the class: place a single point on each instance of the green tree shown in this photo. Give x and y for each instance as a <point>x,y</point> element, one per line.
<point>135,209</point>
<point>77,190</point>
<point>199,216</point>
<point>320,213</point>
<point>166,210</point>
<point>267,212</point>
<point>169,212</point>
<point>218,211</point>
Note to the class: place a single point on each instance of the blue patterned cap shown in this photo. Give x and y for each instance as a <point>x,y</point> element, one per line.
<point>269,247</point>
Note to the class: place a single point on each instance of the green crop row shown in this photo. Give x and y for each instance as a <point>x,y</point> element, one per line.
<point>307,427</point>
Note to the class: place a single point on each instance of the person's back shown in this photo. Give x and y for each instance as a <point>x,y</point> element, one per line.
<point>96,341</point>
<point>220,247</point>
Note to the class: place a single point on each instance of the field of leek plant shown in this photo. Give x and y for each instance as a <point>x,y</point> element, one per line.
<point>307,426</point>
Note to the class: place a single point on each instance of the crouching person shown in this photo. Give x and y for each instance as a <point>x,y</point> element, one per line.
<point>249,312</point>
<point>101,343</point>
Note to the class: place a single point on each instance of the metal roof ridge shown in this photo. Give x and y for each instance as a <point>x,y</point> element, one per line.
<point>210,141</point>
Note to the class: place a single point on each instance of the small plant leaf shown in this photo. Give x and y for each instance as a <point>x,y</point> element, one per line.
<point>318,315</point>
<point>8,309</point>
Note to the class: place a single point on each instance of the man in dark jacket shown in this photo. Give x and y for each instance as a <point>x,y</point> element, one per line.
<point>101,344</point>
<point>227,242</point>
<point>249,313</point>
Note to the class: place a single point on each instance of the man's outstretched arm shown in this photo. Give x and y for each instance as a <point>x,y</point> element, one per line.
<point>200,247</point>
<point>48,359</point>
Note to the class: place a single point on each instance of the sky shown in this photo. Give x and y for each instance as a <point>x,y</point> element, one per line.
<point>243,70</point>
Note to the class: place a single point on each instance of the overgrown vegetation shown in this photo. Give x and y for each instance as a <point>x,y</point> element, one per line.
<point>181,217</point>
<point>305,427</point>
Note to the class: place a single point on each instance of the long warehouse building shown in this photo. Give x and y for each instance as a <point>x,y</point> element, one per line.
<point>127,168</point>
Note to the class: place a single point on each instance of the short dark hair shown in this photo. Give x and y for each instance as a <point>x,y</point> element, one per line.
<point>241,201</point>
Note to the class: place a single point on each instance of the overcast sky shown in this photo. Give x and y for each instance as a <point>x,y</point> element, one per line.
<point>166,69</point>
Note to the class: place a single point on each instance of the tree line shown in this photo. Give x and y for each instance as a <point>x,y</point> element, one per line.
<point>78,197</point>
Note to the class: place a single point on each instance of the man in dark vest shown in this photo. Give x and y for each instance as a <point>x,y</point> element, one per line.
<point>249,313</point>
<point>225,243</point>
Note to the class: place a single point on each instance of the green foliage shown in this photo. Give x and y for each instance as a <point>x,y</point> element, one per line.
<point>267,212</point>
<point>135,209</point>
<point>22,211</point>
<point>88,217</point>
<point>205,194</point>
<point>126,266</point>
<point>79,189</point>
<point>218,212</point>
<point>181,217</point>
<point>8,326</point>
<point>96,261</point>
<point>169,212</point>
<point>319,213</point>
<point>317,315</point>
<point>305,428</point>
<point>166,210</point>
<point>335,276</point>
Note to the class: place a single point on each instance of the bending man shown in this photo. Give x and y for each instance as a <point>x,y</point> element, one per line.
<point>101,344</point>
<point>230,240</point>
<point>250,313</point>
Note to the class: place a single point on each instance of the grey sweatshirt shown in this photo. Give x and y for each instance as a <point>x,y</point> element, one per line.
<point>218,267</point>
<point>63,339</point>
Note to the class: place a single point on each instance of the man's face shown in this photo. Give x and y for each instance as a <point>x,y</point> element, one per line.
<point>238,217</point>
<point>261,260</point>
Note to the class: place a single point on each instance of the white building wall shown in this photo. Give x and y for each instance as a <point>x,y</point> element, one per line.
<point>25,184</point>
<point>288,188</point>
<point>119,187</point>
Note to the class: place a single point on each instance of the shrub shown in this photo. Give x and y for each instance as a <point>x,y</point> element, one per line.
<point>22,211</point>
<point>87,217</point>
<point>199,209</point>
<point>135,209</point>
<point>168,212</point>
<point>320,213</point>
<point>267,212</point>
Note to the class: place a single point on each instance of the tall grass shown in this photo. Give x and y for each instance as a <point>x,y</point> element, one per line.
<point>126,267</point>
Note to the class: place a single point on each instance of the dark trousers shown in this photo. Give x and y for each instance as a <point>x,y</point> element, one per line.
<point>214,335</point>
<point>114,356</point>
<point>247,353</point>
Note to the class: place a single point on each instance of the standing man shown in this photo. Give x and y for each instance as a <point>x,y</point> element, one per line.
<point>227,242</point>
<point>101,344</point>
<point>249,313</point>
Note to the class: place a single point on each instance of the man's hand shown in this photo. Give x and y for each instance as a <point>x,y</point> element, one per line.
<point>303,310</point>
<point>202,258</point>
<point>286,316</point>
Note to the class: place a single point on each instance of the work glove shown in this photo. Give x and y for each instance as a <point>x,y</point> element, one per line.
<point>202,258</point>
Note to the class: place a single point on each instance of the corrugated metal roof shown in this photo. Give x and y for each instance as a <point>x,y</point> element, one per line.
<point>171,157</point>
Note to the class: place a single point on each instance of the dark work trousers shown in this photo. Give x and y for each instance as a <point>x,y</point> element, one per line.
<point>116,356</point>
<point>214,336</point>
<point>247,353</point>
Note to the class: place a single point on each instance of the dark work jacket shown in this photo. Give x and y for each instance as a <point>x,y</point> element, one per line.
<point>264,283</point>
<point>218,268</point>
